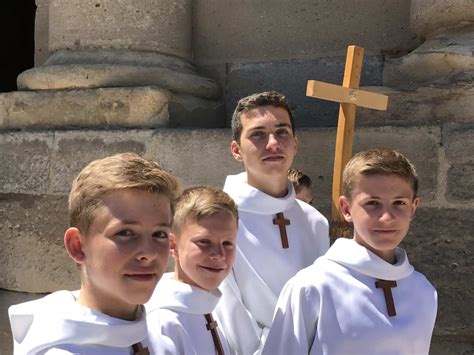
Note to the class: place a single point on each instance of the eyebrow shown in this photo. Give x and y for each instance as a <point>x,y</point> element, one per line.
<point>131,222</point>
<point>276,126</point>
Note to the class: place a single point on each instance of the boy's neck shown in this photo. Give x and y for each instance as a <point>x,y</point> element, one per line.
<point>125,312</point>
<point>387,255</point>
<point>275,187</point>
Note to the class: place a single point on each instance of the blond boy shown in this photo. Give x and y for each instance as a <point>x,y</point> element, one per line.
<point>362,296</point>
<point>120,210</point>
<point>203,243</point>
<point>302,184</point>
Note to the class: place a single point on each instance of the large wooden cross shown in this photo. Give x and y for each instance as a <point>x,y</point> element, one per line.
<point>349,96</point>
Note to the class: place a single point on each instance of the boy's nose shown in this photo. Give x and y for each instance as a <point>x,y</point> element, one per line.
<point>272,141</point>
<point>217,252</point>
<point>387,215</point>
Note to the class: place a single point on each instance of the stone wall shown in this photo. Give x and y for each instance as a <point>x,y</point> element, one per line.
<point>94,93</point>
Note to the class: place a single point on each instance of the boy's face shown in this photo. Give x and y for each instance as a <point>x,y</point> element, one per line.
<point>381,209</point>
<point>267,144</point>
<point>205,250</point>
<point>126,250</point>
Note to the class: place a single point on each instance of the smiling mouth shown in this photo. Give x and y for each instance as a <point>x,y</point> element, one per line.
<point>212,269</point>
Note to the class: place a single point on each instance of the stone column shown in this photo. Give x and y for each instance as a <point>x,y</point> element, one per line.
<point>128,44</point>
<point>41,32</point>
<point>446,55</point>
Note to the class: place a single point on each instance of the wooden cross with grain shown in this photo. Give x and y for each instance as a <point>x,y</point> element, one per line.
<point>349,96</point>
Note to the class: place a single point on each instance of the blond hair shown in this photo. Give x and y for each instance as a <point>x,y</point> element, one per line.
<point>378,161</point>
<point>199,202</point>
<point>299,179</point>
<point>116,172</point>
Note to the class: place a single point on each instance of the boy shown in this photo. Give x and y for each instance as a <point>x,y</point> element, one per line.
<point>203,244</point>
<point>278,235</point>
<point>302,184</point>
<point>363,296</point>
<point>120,211</point>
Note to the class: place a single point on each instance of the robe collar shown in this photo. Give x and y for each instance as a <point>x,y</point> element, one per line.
<point>349,253</point>
<point>178,296</point>
<point>58,319</point>
<point>249,199</point>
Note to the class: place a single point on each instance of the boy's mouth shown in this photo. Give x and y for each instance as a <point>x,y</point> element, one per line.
<point>274,157</point>
<point>212,269</point>
<point>141,277</point>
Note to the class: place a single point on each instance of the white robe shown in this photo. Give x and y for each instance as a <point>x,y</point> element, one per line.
<point>333,307</point>
<point>176,311</point>
<point>262,266</point>
<point>57,324</point>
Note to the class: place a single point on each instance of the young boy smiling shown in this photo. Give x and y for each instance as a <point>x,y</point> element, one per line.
<point>203,243</point>
<point>362,296</point>
<point>120,210</point>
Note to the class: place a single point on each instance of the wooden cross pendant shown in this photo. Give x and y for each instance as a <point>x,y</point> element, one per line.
<point>282,222</point>
<point>387,292</point>
<point>138,349</point>
<point>212,327</point>
<point>349,96</point>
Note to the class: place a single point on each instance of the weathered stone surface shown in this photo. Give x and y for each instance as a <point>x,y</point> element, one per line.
<point>113,75</point>
<point>190,111</point>
<point>268,31</point>
<point>41,31</point>
<point>428,16</point>
<point>197,157</point>
<point>459,144</point>
<point>424,106</point>
<point>439,245</point>
<point>104,108</point>
<point>8,298</point>
<point>120,56</point>
<point>25,160</point>
<point>450,346</point>
<point>74,150</point>
<point>290,78</point>
<point>444,58</point>
<point>162,26</point>
<point>31,248</point>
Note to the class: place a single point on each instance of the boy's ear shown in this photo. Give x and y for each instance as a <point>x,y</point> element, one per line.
<point>235,149</point>
<point>414,205</point>
<point>345,207</point>
<point>73,244</point>
<point>173,247</point>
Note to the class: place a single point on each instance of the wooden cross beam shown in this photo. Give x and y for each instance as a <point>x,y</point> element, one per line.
<point>349,96</point>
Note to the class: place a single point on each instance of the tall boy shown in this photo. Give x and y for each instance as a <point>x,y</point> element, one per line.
<point>120,211</point>
<point>203,245</point>
<point>363,296</point>
<point>278,235</point>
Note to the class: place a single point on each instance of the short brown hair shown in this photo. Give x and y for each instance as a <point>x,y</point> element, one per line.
<point>199,202</point>
<point>378,161</point>
<point>116,172</point>
<point>268,98</point>
<point>299,179</point>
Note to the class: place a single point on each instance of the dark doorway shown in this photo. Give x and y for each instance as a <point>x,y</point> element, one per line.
<point>17,48</point>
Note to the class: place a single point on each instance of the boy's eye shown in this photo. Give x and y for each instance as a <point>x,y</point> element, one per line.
<point>202,242</point>
<point>373,203</point>
<point>399,203</point>
<point>228,244</point>
<point>282,132</point>
<point>125,233</point>
<point>160,235</point>
<point>256,134</point>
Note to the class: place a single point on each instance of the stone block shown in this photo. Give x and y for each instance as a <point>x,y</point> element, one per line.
<point>74,150</point>
<point>190,111</point>
<point>31,248</point>
<point>290,78</point>
<point>8,298</point>
<point>458,141</point>
<point>197,157</point>
<point>268,30</point>
<point>439,245</point>
<point>89,76</point>
<point>26,160</point>
<point>424,106</point>
<point>41,32</point>
<point>96,108</point>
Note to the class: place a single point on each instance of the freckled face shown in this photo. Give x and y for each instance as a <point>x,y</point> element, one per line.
<point>126,250</point>
<point>381,209</point>
<point>205,250</point>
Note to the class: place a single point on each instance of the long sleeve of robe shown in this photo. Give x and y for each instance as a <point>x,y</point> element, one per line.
<point>333,307</point>
<point>262,266</point>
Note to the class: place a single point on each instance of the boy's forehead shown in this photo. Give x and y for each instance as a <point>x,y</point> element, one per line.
<point>376,184</point>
